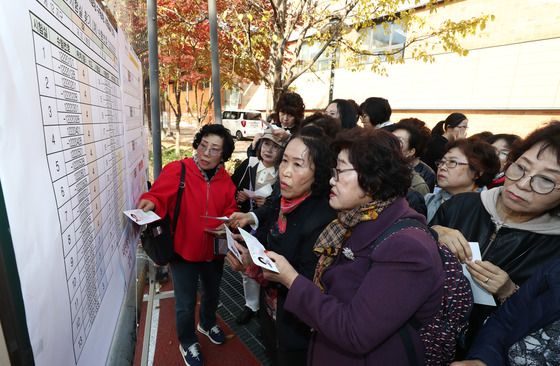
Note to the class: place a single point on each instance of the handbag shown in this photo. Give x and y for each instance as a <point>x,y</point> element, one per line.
<point>220,246</point>
<point>157,238</point>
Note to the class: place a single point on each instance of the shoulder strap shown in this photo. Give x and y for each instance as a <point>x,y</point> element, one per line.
<point>179,196</point>
<point>403,332</point>
<point>397,226</point>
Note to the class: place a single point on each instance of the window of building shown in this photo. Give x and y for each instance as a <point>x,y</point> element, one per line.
<point>308,52</point>
<point>379,39</point>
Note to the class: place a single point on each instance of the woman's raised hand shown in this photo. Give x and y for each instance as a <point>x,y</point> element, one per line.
<point>492,278</point>
<point>242,197</point>
<point>240,219</point>
<point>245,257</point>
<point>256,139</point>
<point>287,274</point>
<point>259,201</point>
<point>281,133</point>
<point>146,205</point>
<point>455,241</point>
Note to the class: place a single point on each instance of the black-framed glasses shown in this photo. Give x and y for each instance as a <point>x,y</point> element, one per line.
<point>450,164</point>
<point>539,184</point>
<point>336,172</point>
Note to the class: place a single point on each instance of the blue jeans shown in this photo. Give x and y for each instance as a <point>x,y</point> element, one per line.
<point>185,280</point>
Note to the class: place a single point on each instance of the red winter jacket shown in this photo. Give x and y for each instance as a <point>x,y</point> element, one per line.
<point>200,198</point>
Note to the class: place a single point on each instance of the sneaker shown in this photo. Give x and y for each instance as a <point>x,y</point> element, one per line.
<point>215,334</point>
<point>192,355</point>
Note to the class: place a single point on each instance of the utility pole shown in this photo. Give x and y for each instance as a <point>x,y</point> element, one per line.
<point>154,85</point>
<point>212,18</point>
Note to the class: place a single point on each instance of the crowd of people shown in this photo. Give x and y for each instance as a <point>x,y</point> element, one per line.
<point>368,227</point>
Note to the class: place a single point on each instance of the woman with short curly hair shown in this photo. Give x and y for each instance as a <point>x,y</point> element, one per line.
<point>208,191</point>
<point>361,296</point>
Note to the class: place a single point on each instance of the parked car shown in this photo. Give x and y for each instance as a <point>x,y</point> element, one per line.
<point>242,123</point>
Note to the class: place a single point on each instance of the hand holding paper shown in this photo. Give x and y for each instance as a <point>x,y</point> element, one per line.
<point>140,217</point>
<point>219,218</point>
<point>286,275</point>
<point>256,250</point>
<point>480,295</point>
<point>264,191</point>
<point>231,245</point>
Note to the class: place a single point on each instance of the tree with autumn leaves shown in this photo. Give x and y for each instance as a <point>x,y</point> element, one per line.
<point>273,33</point>
<point>263,40</point>
<point>184,56</point>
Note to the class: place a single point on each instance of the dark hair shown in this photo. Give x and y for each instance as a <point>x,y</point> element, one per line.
<point>356,108</point>
<point>549,135</point>
<point>508,138</point>
<point>328,124</point>
<point>454,120</point>
<point>292,104</point>
<point>484,136</point>
<point>321,155</point>
<point>348,114</point>
<point>218,130</point>
<point>377,109</point>
<point>419,134</point>
<point>482,159</point>
<point>383,171</point>
<point>438,130</point>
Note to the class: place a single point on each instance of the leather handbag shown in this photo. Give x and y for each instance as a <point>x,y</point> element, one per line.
<point>157,238</point>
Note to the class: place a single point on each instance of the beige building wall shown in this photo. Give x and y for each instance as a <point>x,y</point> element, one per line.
<point>509,82</point>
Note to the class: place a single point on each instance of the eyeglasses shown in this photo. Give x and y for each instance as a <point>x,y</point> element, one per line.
<point>212,151</point>
<point>502,154</point>
<point>336,172</point>
<point>271,145</point>
<point>450,164</point>
<point>538,183</point>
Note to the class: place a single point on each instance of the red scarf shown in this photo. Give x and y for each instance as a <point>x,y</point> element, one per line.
<point>287,206</point>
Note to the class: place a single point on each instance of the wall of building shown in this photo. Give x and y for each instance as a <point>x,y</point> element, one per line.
<point>508,81</point>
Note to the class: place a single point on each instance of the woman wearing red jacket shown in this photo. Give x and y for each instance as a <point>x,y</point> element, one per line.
<point>209,191</point>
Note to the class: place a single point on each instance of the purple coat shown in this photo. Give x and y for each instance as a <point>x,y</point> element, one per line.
<point>369,298</point>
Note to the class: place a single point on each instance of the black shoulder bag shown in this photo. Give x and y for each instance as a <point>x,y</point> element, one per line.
<point>157,238</point>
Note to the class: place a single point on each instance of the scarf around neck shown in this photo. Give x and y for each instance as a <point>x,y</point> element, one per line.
<point>287,206</point>
<point>545,224</point>
<point>331,240</point>
<point>207,174</point>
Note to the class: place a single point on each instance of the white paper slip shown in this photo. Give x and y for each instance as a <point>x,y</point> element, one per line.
<point>480,295</point>
<point>256,250</point>
<point>140,217</point>
<point>231,245</point>
<point>264,191</point>
<point>219,218</point>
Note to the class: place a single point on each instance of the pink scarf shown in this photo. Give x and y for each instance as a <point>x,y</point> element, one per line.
<point>287,206</point>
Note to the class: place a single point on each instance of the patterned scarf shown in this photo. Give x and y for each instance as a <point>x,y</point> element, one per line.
<point>330,241</point>
<point>202,171</point>
<point>287,206</point>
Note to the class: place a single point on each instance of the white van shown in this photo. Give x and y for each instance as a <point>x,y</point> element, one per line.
<point>242,123</point>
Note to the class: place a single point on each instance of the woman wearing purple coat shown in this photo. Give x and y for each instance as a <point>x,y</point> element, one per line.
<point>361,297</point>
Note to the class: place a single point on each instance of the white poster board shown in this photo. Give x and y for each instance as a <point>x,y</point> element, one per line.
<point>72,158</point>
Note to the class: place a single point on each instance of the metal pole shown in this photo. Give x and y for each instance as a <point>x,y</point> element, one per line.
<point>154,85</point>
<point>212,18</point>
